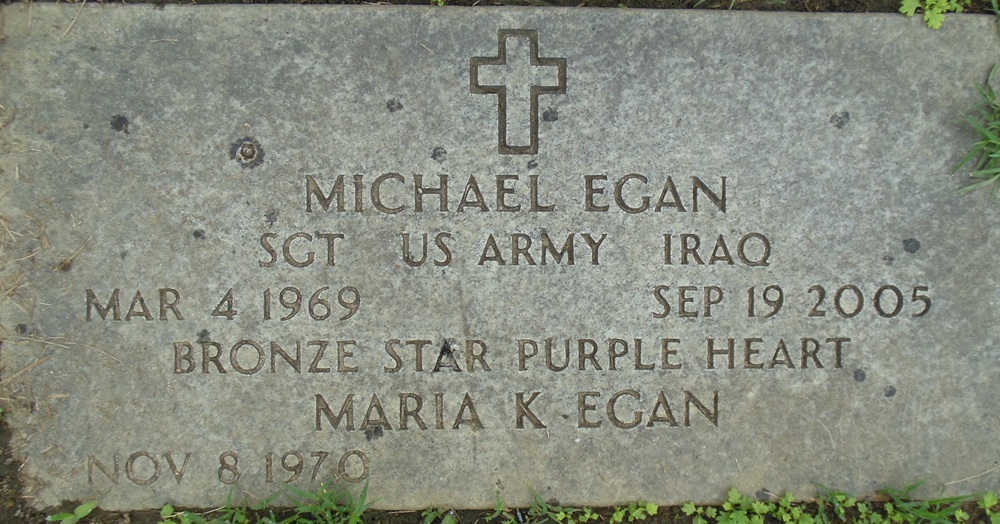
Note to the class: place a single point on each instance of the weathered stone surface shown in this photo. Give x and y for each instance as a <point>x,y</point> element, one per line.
<point>155,159</point>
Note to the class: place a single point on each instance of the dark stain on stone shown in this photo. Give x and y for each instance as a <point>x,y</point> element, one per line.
<point>532,164</point>
<point>248,152</point>
<point>439,154</point>
<point>199,234</point>
<point>888,260</point>
<point>119,123</point>
<point>374,433</point>
<point>203,336</point>
<point>393,105</point>
<point>271,216</point>
<point>911,245</point>
<point>22,329</point>
<point>65,265</point>
<point>550,115</point>
<point>839,120</point>
<point>763,494</point>
<point>86,126</point>
<point>93,48</point>
<point>890,391</point>
<point>859,375</point>
<point>123,254</point>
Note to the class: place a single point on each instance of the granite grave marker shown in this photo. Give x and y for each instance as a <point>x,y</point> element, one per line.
<point>598,255</point>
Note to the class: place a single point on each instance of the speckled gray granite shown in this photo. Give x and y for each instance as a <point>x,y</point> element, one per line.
<point>598,255</point>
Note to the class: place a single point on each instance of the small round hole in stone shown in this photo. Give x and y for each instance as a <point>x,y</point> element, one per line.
<point>248,152</point>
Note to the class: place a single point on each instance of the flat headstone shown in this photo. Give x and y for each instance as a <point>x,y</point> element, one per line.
<point>649,254</point>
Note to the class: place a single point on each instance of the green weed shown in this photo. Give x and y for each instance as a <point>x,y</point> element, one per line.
<point>837,501</point>
<point>228,514</point>
<point>937,511</point>
<point>996,11</point>
<point>934,10</point>
<point>699,514</point>
<point>633,512</point>
<point>541,512</point>
<point>78,514</point>
<point>328,506</point>
<point>439,516</point>
<point>837,506</point>
<point>325,506</point>
<point>742,509</point>
<point>990,506</point>
<point>169,516</point>
<point>985,154</point>
<point>867,515</point>
<point>501,513</point>
<point>790,513</point>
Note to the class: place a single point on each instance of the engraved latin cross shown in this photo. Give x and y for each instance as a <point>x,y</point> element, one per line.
<point>517,84</point>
